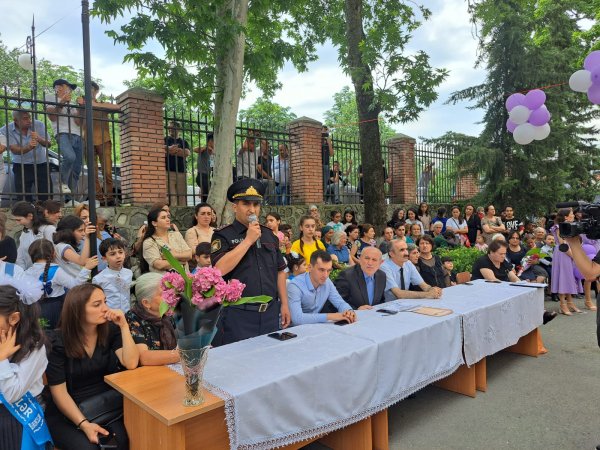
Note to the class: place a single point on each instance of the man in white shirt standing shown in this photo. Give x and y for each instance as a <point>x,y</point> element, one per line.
<point>401,273</point>
<point>66,124</point>
<point>281,175</point>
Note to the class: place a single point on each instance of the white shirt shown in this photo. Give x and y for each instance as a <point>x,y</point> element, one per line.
<point>61,280</point>
<point>116,286</point>
<point>69,267</point>
<point>63,124</point>
<point>26,376</point>
<point>392,275</point>
<point>26,239</point>
<point>17,272</point>
<point>281,170</point>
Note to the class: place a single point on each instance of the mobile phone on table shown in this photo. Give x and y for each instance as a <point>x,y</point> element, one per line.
<point>286,335</point>
<point>341,322</point>
<point>107,442</point>
<point>493,281</point>
<point>387,311</point>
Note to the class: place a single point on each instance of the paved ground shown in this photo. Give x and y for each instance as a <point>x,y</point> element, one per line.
<point>549,402</point>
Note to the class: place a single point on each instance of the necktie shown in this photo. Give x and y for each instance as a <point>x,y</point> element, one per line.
<point>402,284</point>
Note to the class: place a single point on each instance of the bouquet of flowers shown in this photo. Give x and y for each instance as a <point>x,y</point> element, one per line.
<point>531,258</point>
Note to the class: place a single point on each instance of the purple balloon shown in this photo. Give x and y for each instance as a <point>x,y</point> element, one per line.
<point>593,94</point>
<point>592,60</point>
<point>535,99</point>
<point>539,117</point>
<point>595,75</point>
<point>514,100</point>
<point>510,126</point>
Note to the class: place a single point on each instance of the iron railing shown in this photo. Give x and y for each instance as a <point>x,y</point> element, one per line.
<point>436,174</point>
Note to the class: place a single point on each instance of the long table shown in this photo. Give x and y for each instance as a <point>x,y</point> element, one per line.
<point>273,393</point>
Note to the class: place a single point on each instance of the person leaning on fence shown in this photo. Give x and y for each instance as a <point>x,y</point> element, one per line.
<point>102,145</point>
<point>281,175</point>
<point>177,151</point>
<point>27,141</point>
<point>326,155</point>
<point>66,124</point>
<point>264,169</point>
<point>246,157</point>
<point>337,177</point>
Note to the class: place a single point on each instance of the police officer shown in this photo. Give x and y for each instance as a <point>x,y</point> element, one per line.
<point>249,252</point>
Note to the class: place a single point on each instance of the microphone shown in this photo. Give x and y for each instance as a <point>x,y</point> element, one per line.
<point>563,247</point>
<point>252,218</point>
<point>568,204</point>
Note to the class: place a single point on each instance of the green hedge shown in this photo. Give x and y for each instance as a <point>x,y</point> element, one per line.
<point>463,257</point>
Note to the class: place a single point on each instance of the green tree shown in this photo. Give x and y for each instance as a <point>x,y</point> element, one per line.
<point>343,116</point>
<point>388,80</point>
<point>210,48</point>
<point>526,44</point>
<point>264,113</point>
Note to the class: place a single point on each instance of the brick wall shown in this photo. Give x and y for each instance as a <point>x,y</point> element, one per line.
<point>467,187</point>
<point>402,169</point>
<point>143,174</point>
<point>305,161</point>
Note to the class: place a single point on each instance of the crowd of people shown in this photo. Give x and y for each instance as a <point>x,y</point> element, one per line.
<point>58,320</point>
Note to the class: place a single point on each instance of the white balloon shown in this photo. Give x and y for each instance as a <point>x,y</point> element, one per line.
<point>519,114</point>
<point>580,81</point>
<point>25,62</point>
<point>542,132</point>
<point>524,134</point>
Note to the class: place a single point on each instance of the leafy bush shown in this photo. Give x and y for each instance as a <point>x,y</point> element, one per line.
<point>463,257</point>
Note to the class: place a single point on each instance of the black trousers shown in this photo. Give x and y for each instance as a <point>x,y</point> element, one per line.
<point>32,179</point>
<point>236,324</point>
<point>204,185</point>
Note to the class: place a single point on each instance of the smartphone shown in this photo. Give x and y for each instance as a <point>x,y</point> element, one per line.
<point>493,281</point>
<point>468,283</point>
<point>107,442</point>
<point>387,311</point>
<point>286,335</point>
<point>341,322</point>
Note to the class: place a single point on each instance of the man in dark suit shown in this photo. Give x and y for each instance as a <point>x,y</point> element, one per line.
<point>363,285</point>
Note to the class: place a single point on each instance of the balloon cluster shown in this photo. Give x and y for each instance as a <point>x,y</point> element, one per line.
<point>588,79</point>
<point>528,117</point>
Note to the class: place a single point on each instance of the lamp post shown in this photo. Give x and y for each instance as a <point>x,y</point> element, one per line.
<point>28,60</point>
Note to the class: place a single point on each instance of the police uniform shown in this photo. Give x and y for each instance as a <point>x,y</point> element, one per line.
<point>258,270</point>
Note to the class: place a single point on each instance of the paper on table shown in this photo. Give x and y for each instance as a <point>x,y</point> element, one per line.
<point>529,284</point>
<point>429,311</point>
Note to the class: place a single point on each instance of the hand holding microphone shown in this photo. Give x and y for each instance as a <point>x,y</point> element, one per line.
<point>254,231</point>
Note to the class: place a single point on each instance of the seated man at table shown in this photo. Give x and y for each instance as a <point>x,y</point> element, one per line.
<point>401,273</point>
<point>363,285</point>
<point>312,296</point>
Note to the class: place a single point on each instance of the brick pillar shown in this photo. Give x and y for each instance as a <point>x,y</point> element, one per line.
<point>306,175</point>
<point>143,174</point>
<point>402,169</point>
<point>467,187</point>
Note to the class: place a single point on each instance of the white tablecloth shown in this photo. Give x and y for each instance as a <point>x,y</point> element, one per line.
<point>495,315</point>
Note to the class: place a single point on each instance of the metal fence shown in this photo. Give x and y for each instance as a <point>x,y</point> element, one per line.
<point>45,149</point>
<point>260,152</point>
<point>436,174</point>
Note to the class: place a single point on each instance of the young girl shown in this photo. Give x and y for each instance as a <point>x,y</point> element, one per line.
<point>55,280</point>
<point>22,365</point>
<point>70,231</point>
<point>272,222</point>
<point>35,226</point>
<point>480,243</point>
<point>349,219</point>
<point>296,265</point>
<point>308,243</point>
<point>367,233</point>
<point>52,211</point>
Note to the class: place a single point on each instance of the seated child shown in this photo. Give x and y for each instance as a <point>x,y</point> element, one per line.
<point>115,280</point>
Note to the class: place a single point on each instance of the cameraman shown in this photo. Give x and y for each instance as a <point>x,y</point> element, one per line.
<point>590,269</point>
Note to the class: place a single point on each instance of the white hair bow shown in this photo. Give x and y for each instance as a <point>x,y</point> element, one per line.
<point>28,289</point>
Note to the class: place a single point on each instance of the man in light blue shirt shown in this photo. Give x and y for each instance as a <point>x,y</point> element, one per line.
<point>401,273</point>
<point>312,295</point>
<point>26,140</point>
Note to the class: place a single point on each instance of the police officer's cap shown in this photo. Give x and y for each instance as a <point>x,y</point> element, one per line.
<point>247,189</point>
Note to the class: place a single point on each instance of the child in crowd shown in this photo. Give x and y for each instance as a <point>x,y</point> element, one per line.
<point>202,255</point>
<point>335,223</point>
<point>115,280</point>
<point>448,265</point>
<point>309,241</point>
<point>55,281</point>
<point>70,231</point>
<point>35,226</point>
<point>22,365</point>
<point>52,211</point>
<point>480,243</point>
<point>296,265</point>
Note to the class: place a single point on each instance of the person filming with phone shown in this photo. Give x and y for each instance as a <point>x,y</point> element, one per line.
<point>312,296</point>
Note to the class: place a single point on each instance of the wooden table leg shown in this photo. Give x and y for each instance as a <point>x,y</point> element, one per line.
<point>527,345</point>
<point>357,436</point>
<point>462,381</point>
<point>379,430</point>
<point>481,375</point>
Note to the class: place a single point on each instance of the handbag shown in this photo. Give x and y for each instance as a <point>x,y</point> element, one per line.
<point>102,409</point>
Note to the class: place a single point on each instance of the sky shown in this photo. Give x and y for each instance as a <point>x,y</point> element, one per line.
<point>448,38</point>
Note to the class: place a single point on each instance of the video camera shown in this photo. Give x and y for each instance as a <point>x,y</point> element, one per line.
<point>589,224</point>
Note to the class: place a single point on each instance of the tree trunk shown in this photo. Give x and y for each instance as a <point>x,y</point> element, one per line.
<point>230,72</point>
<point>368,114</point>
